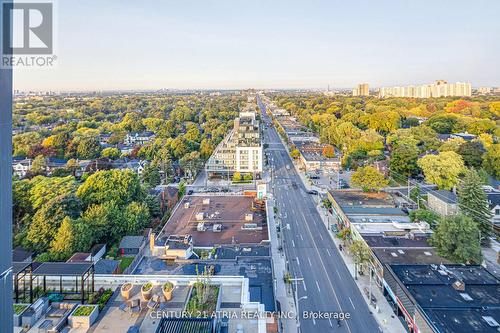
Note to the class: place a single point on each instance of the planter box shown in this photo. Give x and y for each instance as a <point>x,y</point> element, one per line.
<point>83,321</point>
<point>146,294</point>
<point>18,316</point>
<point>126,289</point>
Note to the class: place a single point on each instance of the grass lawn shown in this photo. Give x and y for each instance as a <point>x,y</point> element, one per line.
<point>84,310</point>
<point>18,308</point>
<point>125,262</point>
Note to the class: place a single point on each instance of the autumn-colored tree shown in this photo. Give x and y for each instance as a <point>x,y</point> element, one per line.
<point>369,179</point>
<point>328,151</point>
<point>442,169</point>
<point>492,160</point>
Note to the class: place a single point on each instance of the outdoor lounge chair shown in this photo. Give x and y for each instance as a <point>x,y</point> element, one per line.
<point>135,306</point>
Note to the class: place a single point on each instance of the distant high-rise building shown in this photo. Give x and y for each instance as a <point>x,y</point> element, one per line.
<point>363,89</point>
<point>440,88</point>
<point>484,90</point>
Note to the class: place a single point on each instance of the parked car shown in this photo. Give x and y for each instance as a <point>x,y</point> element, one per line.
<point>313,192</point>
<point>189,192</point>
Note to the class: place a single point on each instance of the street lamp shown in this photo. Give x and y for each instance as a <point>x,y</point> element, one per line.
<point>297,299</point>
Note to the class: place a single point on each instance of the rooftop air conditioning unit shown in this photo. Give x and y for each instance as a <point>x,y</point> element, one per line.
<point>200,226</point>
<point>187,205</point>
<point>206,201</point>
<point>249,217</point>
<point>199,216</point>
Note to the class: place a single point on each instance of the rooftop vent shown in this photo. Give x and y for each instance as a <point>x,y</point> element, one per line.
<point>491,321</point>
<point>459,285</point>
<point>186,205</point>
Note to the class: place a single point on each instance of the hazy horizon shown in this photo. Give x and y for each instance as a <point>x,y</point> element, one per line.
<point>152,45</point>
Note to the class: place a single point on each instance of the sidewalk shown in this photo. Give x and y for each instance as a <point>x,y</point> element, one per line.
<point>282,294</point>
<point>382,311</point>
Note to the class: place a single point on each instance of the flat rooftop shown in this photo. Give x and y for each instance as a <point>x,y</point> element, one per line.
<point>476,309</point>
<point>229,211</point>
<point>345,198</point>
<point>377,241</point>
<point>255,266</point>
<point>408,256</point>
<point>381,229</point>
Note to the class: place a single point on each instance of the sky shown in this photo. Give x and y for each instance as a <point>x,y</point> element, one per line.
<point>225,44</point>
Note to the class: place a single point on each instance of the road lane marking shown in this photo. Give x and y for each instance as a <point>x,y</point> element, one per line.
<point>301,237</point>
<point>352,303</point>
<point>314,321</point>
<point>338,274</point>
<point>328,252</point>
<point>319,289</point>
<point>310,264</point>
<point>320,236</point>
<point>298,261</point>
<point>293,243</point>
<point>304,285</point>
<point>330,321</point>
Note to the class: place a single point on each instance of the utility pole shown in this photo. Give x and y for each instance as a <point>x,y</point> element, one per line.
<point>297,300</point>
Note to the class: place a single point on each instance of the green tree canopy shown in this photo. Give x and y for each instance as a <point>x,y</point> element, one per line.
<point>492,160</point>
<point>120,186</point>
<point>473,203</point>
<point>404,160</point>
<point>47,220</point>
<point>457,239</point>
<point>472,153</point>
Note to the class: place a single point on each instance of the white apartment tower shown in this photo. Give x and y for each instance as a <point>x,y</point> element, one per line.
<point>241,149</point>
<point>440,88</point>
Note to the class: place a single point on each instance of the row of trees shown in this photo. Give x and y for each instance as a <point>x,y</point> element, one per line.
<point>57,216</point>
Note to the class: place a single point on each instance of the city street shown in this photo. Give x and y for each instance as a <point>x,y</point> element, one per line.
<point>327,285</point>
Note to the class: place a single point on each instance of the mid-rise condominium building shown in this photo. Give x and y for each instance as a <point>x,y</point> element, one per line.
<point>363,89</point>
<point>241,149</point>
<point>440,88</point>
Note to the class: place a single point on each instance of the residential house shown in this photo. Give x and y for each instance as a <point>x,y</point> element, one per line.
<point>494,205</point>
<point>466,136</point>
<point>312,157</point>
<point>139,138</point>
<point>97,252</point>
<point>131,245</point>
<point>80,256</point>
<point>21,166</point>
<point>167,196</point>
<point>54,163</point>
<point>135,165</point>
<point>442,202</point>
